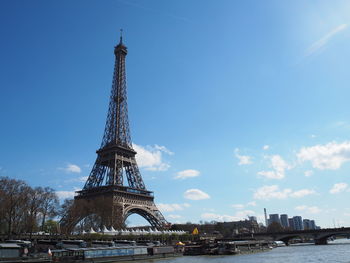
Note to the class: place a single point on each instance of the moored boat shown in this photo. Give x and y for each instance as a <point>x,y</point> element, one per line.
<point>108,254</point>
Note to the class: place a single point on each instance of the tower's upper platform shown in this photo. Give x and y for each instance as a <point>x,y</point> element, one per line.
<point>120,48</point>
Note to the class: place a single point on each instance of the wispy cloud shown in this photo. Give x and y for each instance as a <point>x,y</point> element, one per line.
<point>172,207</point>
<point>266,147</point>
<point>239,215</point>
<point>81,179</point>
<point>338,188</point>
<point>243,159</point>
<point>241,206</point>
<point>279,167</point>
<point>71,168</point>
<point>65,194</point>
<point>219,217</point>
<point>322,42</point>
<point>196,194</point>
<point>174,216</point>
<point>268,192</point>
<point>187,174</point>
<point>308,173</point>
<point>308,209</point>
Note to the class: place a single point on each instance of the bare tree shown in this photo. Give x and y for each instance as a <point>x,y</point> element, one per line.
<point>49,205</point>
<point>35,197</point>
<point>14,198</point>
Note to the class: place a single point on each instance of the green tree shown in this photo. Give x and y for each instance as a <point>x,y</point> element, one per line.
<point>51,227</point>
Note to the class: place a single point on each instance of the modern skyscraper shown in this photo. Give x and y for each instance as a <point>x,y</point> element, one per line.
<point>306,224</point>
<point>291,223</point>
<point>298,223</point>
<point>284,221</point>
<point>274,218</point>
<point>312,224</point>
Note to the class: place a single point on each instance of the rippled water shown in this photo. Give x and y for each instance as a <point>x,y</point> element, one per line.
<point>337,251</point>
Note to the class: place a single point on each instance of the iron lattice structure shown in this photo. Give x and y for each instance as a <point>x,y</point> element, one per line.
<point>104,193</point>
<point>116,157</point>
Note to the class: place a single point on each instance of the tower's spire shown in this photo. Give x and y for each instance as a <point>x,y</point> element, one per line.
<point>121,36</point>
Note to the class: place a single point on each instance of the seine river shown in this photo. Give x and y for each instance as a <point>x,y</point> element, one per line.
<point>336,251</point>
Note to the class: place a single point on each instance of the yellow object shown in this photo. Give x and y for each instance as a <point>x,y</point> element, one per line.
<point>195,231</point>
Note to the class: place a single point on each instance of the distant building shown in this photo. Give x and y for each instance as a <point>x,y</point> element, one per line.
<point>312,224</point>
<point>284,221</point>
<point>291,223</point>
<point>306,224</point>
<point>252,218</point>
<point>298,223</point>
<point>274,218</point>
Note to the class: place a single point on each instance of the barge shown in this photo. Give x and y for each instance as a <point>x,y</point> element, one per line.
<point>75,251</point>
<point>220,247</point>
<point>112,254</point>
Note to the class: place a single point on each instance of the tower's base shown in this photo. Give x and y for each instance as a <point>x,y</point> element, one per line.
<point>113,205</point>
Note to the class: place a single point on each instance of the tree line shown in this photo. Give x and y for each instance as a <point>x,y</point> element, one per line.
<point>24,209</point>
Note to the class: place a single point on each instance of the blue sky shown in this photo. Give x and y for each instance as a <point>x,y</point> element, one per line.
<point>234,105</point>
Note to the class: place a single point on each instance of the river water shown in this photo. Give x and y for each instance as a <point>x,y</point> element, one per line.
<point>336,251</point>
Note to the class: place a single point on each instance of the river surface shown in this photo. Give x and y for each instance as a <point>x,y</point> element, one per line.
<point>335,251</point>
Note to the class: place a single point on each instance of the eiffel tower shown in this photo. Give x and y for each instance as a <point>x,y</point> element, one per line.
<point>105,194</point>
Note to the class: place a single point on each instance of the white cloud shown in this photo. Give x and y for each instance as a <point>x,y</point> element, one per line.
<point>174,216</point>
<point>308,209</point>
<point>241,206</point>
<point>81,179</point>
<point>302,193</point>
<point>151,158</point>
<point>172,207</point>
<point>71,168</point>
<point>308,173</point>
<point>243,159</point>
<point>238,206</point>
<point>279,167</point>
<point>271,192</point>
<point>338,188</point>
<point>187,174</point>
<point>329,156</point>
<point>217,217</point>
<point>252,203</point>
<point>322,42</point>
<point>268,192</point>
<point>243,214</point>
<point>341,124</point>
<point>163,149</point>
<point>196,194</point>
<point>266,147</point>
<point>65,194</point>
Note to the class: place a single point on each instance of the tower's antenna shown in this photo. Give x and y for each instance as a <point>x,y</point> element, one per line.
<point>121,36</point>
